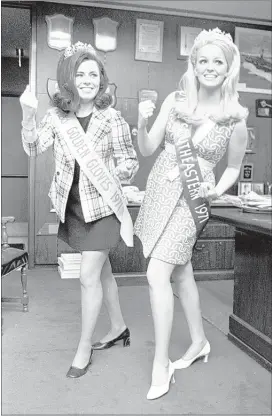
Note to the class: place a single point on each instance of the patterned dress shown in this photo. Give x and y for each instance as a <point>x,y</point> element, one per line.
<point>165,224</point>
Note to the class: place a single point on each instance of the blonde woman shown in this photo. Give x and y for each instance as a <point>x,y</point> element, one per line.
<point>199,123</point>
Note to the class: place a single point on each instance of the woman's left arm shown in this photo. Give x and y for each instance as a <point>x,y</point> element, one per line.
<point>236,151</point>
<point>125,155</point>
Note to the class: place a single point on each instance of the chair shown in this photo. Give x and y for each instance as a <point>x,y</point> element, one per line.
<point>13,259</point>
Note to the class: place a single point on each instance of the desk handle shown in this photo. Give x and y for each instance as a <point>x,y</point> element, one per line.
<point>200,248</point>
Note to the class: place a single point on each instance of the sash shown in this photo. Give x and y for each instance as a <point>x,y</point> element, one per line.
<point>95,170</point>
<point>190,172</point>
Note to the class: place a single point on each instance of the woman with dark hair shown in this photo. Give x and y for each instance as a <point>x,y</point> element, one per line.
<point>93,155</point>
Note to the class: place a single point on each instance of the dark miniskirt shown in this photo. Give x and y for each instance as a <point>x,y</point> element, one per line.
<point>97,235</point>
<point>101,234</point>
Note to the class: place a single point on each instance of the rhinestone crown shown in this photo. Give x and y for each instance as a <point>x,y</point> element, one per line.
<point>79,46</point>
<point>211,34</point>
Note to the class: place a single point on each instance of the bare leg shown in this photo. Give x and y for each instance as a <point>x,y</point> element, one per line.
<point>188,294</point>
<point>111,300</point>
<point>91,301</point>
<point>162,306</point>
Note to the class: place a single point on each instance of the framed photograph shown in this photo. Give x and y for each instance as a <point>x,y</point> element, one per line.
<point>149,40</point>
<point>258,187</point>
<point>246,172</point>
<point>264,108</point>
<point>186,36</point>
<point>255,49</point>
<point>244,188</point>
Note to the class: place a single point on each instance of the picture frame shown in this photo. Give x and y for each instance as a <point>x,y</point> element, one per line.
<point>186,36</point>
<point>263,108</point>
<point>258,187</point>
<point>149,40</point>
<point>244,188</point>
<point>255,50</point>
<point>246,174</point>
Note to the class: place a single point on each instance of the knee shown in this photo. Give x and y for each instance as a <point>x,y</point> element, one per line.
<point>90,277</point>
<point>106,272</point>
<point>157,280</point>
<point>150,277</point>
<point>183,274</point>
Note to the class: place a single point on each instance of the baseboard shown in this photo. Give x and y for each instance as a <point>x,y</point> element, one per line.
<point>206,275</point>
<point>251,340</point>
<point>252,353</point>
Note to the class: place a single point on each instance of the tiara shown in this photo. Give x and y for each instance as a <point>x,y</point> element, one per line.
<point>212,34</point>
<point>79,46</point>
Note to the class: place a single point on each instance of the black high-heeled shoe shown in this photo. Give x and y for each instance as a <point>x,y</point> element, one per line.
<point>75,372</point>
<point>125,336</point>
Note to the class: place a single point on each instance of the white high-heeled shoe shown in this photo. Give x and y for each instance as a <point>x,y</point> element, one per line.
<point>181,363</point>
<point>157,391</point>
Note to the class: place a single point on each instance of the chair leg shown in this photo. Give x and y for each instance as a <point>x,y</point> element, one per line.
<point>25,298</point>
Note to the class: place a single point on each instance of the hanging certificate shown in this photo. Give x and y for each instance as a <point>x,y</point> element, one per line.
<point>149,40</point>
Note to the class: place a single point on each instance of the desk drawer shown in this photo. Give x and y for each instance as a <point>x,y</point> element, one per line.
<point>213,254</point>
<point>218,230</point>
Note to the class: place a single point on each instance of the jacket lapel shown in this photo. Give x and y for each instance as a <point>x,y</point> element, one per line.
<point>99,126</point>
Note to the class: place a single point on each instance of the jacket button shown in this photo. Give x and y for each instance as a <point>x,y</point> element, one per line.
<point>58,173</point>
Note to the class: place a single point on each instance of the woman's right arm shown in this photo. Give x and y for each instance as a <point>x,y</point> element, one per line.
<point>35,141</point>
<point>149,142</point>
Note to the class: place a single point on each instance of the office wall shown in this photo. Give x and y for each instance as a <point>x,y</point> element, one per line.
<point>130,76</point>
<point>14,161</point>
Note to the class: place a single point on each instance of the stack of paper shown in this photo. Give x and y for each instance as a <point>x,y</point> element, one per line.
<point>255,202</point>
<point>69,265</point>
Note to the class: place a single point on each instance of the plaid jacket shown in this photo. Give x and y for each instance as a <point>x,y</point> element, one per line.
<point>110,138</point>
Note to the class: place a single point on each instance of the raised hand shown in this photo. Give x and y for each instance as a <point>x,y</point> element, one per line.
<point>29,104</point>
<point>145,110</point>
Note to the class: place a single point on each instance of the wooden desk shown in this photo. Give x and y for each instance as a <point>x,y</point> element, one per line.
<point>213,256</point>
<point>250,325</point>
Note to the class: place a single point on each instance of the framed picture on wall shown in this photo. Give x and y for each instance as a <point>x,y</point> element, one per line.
<point>258,187</point>
<point>186,36</point>
<point>244,188</point>
<point>247,172</point>
<point>264,108</point>
<point>255,49</point>
<point>149,40</point>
